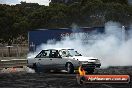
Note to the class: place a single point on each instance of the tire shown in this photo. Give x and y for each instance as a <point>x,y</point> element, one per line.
<point>39,69</point>
<point>90,71</point>
<point>35,68</point>
<point>69,68</point>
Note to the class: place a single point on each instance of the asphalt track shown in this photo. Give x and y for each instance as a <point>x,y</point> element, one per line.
<point>59,79</point>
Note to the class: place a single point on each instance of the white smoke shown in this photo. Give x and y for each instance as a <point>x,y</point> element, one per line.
<point>29,70</point>
<point>110,47</point>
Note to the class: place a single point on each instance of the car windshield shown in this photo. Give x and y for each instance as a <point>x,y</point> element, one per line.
<point>73,53</point>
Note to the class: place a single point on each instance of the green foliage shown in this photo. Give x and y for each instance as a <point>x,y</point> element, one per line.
<point>16,21</point>
<point>116,1</point>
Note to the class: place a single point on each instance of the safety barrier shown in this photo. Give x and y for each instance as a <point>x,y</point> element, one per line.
<point>8,63</point>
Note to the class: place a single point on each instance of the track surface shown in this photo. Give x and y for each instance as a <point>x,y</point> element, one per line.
<point>59,80</point>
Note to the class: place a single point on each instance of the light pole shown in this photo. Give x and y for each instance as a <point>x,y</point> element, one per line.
<point>123,34</point>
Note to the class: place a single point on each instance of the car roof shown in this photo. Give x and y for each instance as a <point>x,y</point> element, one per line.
<point>60,49</point>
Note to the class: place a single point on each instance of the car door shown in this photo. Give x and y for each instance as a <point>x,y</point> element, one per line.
<point>44,60</point>
<point>66,57</point>
<point>57,60</point>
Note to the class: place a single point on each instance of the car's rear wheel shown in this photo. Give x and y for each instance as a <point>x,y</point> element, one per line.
<point>35,67</point>
<point>69,68</point>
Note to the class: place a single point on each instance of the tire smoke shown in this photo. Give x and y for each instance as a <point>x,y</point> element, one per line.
<point>113,47</point>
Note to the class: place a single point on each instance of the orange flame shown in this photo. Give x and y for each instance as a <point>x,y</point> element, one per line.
<point>81,71</point>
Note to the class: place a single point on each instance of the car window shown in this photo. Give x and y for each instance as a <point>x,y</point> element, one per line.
<point>63,53</point>
<point>54,54</point>
<point>43,54</point>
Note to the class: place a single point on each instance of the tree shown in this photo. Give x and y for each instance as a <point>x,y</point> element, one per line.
<point>16,21</point>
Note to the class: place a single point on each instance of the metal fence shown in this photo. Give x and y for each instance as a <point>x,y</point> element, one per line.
<point>15,50</point>
<point>12,63</point>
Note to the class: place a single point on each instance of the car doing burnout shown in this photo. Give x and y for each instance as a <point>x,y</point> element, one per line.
<point>62,59</point>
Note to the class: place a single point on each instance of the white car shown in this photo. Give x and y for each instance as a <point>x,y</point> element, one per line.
<point>62,59</point>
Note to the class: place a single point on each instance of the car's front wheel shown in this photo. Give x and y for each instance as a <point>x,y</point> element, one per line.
<point>69,68</point>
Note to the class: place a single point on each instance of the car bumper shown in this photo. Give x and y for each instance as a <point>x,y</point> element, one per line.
<point>91,65</point>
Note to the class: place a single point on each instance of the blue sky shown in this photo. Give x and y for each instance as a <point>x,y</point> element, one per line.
<point>41,2</point>
<point>130,1</point>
